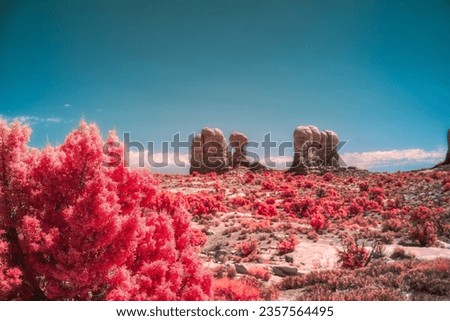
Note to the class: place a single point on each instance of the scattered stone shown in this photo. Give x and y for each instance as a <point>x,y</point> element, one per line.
<point>240,269</point>
<point>289,258</point>
<point>284,271</point>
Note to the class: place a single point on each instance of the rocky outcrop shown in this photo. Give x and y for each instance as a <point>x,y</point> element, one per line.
<point>447,158</point>
<point>239,141</point>
<point>209,152</point>
<point>314,149</point>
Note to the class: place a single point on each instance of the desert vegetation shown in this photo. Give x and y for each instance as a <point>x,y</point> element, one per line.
<point>75,224</point>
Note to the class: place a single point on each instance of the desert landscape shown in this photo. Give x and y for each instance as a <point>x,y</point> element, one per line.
<point>224,150</point>
<point>77,224</point>
<point>350,235</point>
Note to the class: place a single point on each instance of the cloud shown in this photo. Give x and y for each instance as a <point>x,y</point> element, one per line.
<point>67,105</point>
<point>30,120</point>
<point>278,162</point>
<point>160,162</point>
<point>393,158</point>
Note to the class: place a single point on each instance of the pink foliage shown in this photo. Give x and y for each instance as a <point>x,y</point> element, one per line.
<point>265,209</point>
<point>226,289</point>
<point>205,203</point>
<point>80,229</point>
<point>424,222</point>
<point>287,245</point>
<point>352,255</point>
<point>247,248</point>
<point>318,221</point>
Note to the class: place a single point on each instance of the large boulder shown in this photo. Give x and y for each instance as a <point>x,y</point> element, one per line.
<point>209,152</point>
<point>447,158</point>
<point>238,142</point>
<point>314,149</point>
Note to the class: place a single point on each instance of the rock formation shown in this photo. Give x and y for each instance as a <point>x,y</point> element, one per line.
<point>314,149</point>
<point>209,152</point>
<point>238,142</point>
<point>447,158</point>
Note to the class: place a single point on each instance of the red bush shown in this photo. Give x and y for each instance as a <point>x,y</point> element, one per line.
<point>259,273</point>
<point>247,248</point>
<point>81,228</point>
<point>318,221</point>
<point>226,289</point>
<point>363,186</point>
<point>300,208</point>
<point>287,245</point>
<point>355,209</point>
<point>202,203</point>
<point>447,187</point>
<point>262,208</point>
<point>393,224</point>
<point>198,238</point>
<point>424,225</point>
<point>239,201</point>
<point>328,177</point>
<point>268,185</point>
<point>10,277</point>
<point>352,255</point>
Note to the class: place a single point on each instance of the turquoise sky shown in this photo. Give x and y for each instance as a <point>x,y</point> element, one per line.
<point>376,72</point>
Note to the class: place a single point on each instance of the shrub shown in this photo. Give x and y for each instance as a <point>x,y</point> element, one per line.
<point>423,225</point>
<point>328,177</point>
<point>355,209</point>
<point>83,226</point>
<point>400,254</point>
<point>352,255</point>
<point>198,238</point>
<point>247,248</point>
<point>393,224</point>
<point>259,273</point>
<point>226,289</point>
<point>262,208</point>
<point>202,203</point>
<point>318,221</point>
<point>287,245</point>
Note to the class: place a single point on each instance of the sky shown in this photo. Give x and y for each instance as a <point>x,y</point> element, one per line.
<point>375,72</point>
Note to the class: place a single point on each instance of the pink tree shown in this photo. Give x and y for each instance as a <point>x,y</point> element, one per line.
<point>85,230</point>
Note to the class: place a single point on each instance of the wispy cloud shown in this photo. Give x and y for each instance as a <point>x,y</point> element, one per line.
<point>30,120</point>
<point>160,162</point>
<point>393,158</point>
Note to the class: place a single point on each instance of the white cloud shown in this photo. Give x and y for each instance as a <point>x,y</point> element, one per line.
<point>393,158</point>
<point>278,162</point>
<point>67,105</point>
<point>172,163</point>
<point>30,120</point>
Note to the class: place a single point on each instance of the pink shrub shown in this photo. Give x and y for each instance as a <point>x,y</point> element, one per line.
<point>203,203</point>
<point>247,248</point>
<point>352,255</point>
<point>262,208</point>
<point>226,289</point>
<point>86,227</point>
<point>318,222</point>
<point>260,273</point>
<point>287,245</point>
